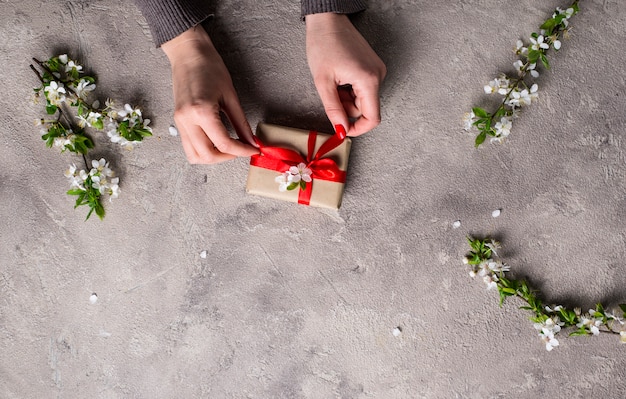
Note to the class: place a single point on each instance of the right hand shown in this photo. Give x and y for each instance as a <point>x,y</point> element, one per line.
<point>203,88</point>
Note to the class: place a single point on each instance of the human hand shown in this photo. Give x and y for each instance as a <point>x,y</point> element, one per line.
<point>346,71</point>
<point>203,88</point>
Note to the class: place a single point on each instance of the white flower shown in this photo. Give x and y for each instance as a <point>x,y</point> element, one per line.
<point>524,97</point>
<point>93,117</point>
<point>590,323</point>
<point>519,66</point>
<point>493,245</point>
<point>468,120</point>
<point>556,44</point>
<point>133,115</point>
<point>83,88</point>
<point>102,178</point>
<point>499,85</point>
<point>498,266</point>
<point>520,49</point>
<point>548,329</point>
<point>76,179</point>
<point>284,180</point>
<point>101,168</point>
<point>55,92</point>
<point>550,341</point>
<point>491,281</point>
<point>538,43</point>
<point>63,58</point>
<point>301,172</point>
<point>553,310</point>
<point>114,188</point>
<point>503,127</point>
<point>111,129</point>
<point>532,70</point>
<point>72,65</point>
<point>295,174</point>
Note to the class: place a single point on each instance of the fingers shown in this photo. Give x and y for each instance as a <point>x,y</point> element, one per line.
<point>347,97</point>
<point>198,148</point>
<point>333,106</point>
<point>361,103</point>
<point>206,140</point>
<point>368,103</point>
<point>238,119</point>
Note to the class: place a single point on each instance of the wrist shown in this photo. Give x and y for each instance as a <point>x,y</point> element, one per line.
<point>326,21</point>
<point>183,45</point>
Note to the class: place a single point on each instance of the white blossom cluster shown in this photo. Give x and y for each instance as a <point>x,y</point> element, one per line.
<point>130,116</point>
<point>111,119</point>
<point>100,177</point>
<point>517,93</point>
<point>489,269</point>
<point>547,331</point>
<point>549,321</point>
<point>294,177</point>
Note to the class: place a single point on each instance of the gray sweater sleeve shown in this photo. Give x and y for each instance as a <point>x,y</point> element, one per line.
<point>338,6</point>
<point>169,18</point>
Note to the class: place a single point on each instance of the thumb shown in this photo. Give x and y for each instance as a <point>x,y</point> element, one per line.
<point>329,94</point>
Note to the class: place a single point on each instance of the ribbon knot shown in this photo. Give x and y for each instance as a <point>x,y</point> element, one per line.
<point>281,159</point>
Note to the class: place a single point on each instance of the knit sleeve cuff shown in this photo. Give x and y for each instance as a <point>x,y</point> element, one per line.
<point>338,6</point>
<point>169,18</point>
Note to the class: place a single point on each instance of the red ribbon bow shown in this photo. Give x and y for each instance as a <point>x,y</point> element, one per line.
<point>281,159</point>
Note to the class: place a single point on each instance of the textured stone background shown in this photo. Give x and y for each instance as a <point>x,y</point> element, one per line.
<point>293,302</point>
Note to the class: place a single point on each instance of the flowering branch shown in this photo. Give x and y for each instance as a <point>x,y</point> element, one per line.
<point>64,88</point>
<point>549,321</point>
<point>518,92</point>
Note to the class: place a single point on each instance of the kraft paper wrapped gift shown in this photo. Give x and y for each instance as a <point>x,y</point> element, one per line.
<point>283,147</point>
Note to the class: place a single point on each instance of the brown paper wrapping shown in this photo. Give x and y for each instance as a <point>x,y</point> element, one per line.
<point>262,181</point>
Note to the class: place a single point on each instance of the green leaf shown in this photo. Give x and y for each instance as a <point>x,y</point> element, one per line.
<point>98,124</point>
<point>53,64</point>
<point>302,185</point>
<point>549,24</point>
<point>623,307</point>
<point>292,186</point>
<point>99,210</point>
<point>475,244</point>
<point>600,308</point>
<point>508,291</point>
<point>480,138</point>
<point>51,109</point>
<point>544,61</point>
<point>75,191</point>
<point>533,55</point>
<point>479,112</point>
<point>89,214</point>
<point>579,332</point>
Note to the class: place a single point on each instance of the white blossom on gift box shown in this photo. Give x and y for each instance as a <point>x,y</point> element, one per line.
<point>284,180</point>
<point>297,176</point>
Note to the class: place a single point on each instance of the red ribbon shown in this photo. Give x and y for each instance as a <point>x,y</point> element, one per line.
<point>281,159</point>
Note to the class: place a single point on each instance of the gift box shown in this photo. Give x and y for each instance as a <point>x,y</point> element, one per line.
<point>299,166</point>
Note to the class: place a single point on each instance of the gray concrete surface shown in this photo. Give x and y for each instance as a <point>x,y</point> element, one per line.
<point>293,302</point>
